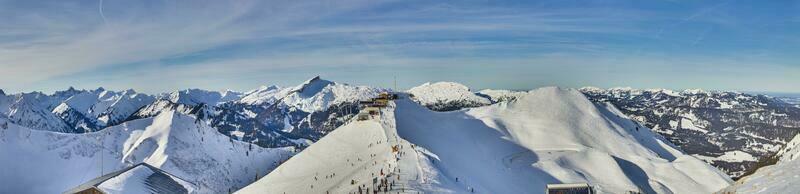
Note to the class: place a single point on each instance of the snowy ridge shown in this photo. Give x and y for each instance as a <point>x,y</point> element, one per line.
<point>170,141</point>
<point>27,110</point>
<point>447,96</point>
<point>195,97</point>
<point>730,130</point>
<point>317,94</point>
<point>791,151</point>
<point>550,135</point>
<point>264,95</point>
<point>502,95</point>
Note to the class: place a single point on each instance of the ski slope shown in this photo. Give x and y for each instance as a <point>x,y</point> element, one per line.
<point>176,143</point>
<point>549,135</point>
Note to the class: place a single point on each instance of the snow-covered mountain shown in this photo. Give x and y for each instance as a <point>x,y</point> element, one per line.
<point>501,95</point>
<point>196,97</point>
<point>733,131</point>
<point>36,161</point>
<point>549,135</point>
<point>781,177</point>
<point>71,111</point>
<point>730,130</point>
<point>29,109</point>
<point>447,96</point>
<point>94,110</point>
<point>269,116</point>
<point>293,116</point>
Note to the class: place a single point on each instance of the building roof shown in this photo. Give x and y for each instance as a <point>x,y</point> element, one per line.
<point>567,185</point>
<point>152,179</point>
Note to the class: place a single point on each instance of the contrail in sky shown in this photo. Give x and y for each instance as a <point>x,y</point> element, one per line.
<point>101,12</point>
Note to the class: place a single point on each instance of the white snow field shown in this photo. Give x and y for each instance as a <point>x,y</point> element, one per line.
<point>36,161</point>
<point>447,93</point>
<point>783,177</point>
<point>549,135</point>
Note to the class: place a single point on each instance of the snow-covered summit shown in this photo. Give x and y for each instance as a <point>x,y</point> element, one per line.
<point>197,96</point>
<point>97,109</point>
<point>318,94</point>
<point>264,95</point>
<point>447,96</point>
<point>502,95</point>
<point>27,110</point>
<point>549,135</point>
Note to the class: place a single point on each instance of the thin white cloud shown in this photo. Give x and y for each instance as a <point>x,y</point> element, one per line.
<point>46,44</point>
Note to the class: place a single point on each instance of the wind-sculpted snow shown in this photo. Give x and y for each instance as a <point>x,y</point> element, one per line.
<point>46,162</point>
<point>550,135</point>
<point>447,96</point>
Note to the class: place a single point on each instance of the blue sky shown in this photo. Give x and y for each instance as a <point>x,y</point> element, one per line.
<point>157,46</point>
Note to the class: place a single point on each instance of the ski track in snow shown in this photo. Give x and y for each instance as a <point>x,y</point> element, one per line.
<point>550,136</point>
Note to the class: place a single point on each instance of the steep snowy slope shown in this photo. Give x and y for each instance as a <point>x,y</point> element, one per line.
<point>447,96</point>
<point>198,96</point>
<point>116,109</point>
<point>175,143</point>
<point>30,110</point>
<point>94,110</point>
<point>782,177</point>
<point>553,136</point>
<point>730,130</point>
<point>264,95</point>
<point>331,163</point>
<point>190,101</point>
<point>502,95</point>
<point>548,136</point>
<point>274,116</point>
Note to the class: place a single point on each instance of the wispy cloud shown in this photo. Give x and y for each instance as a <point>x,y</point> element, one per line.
<point>47,45</point>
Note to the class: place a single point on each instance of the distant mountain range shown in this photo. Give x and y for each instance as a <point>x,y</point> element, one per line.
<point>732,131</point>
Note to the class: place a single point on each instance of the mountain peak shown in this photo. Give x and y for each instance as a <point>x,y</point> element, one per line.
<point>312,86</point>
<point>446,96</point>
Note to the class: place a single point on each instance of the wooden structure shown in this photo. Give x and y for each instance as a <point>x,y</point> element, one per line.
<point>571,188</point>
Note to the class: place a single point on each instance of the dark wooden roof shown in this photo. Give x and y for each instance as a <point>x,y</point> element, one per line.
<point>160,181</point>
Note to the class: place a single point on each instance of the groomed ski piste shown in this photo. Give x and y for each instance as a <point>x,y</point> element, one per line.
<point>549,135</point>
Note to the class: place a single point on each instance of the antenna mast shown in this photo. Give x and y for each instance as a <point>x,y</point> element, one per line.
<point>102,147</point>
